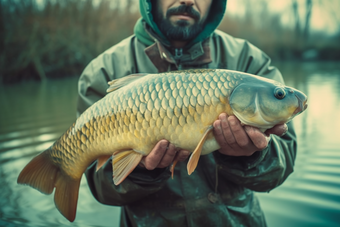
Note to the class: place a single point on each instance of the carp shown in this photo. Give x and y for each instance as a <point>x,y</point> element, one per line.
<point>141,109</point>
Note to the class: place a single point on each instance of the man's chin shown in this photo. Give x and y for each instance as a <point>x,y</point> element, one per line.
<point>181,23</point>
<point>179,29</point>
<point>182,20</point>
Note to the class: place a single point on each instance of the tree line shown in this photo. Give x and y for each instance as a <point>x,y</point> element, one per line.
<point>46,39</point>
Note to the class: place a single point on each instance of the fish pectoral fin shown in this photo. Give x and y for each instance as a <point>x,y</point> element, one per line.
<point>102,160</point>
<point>195,156</point>
<point>42,174</point>
<point>123,163</point>
<point>121,82</point>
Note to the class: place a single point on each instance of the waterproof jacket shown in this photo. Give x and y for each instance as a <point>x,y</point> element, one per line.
<point>220,191</point>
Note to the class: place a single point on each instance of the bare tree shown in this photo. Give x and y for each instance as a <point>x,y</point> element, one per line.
<point>302,31</point>
<point>309,7</point>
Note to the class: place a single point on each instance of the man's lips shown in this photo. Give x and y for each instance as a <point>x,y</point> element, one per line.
<point>183,16</point>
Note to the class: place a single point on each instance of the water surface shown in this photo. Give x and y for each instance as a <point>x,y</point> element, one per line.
<point>33,115</point>
<point>311,195</point>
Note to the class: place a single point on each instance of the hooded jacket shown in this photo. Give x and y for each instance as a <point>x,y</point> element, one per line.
<point>220,191</point>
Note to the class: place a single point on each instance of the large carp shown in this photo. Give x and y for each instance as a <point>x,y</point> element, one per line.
<point>142,109</point>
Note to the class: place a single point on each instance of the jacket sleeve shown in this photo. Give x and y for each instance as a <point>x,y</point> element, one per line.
<point>92,86</point>
<point>265,169</point>
<point>137,185</point>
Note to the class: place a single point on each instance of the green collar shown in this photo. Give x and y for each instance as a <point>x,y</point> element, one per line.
<point>141,34</point>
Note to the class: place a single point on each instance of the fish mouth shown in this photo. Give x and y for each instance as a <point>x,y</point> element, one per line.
<point>302,106</point>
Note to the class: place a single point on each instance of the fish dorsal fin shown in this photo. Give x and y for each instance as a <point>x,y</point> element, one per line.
<point>123,163</point>
<point>195,156</point>
<point>121,82</point>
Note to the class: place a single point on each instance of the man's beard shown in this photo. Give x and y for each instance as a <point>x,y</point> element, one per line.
<point>183,31</point>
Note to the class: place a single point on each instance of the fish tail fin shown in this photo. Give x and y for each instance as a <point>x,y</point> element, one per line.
<point>123,163</point>
<point>66,196</point>
<point>42,174</point>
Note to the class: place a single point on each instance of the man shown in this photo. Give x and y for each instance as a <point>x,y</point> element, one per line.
<point>180,34</point>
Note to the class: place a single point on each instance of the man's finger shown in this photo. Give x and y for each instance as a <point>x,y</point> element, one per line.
<point>278,130</point>
<point>182,155</point>
<point>218,133</point>
<point>257,137</point>
<point>227,131</point>
<point>241,137</point>
<point>152,160</point>
<point>168,157</point>
<point>219,136</point>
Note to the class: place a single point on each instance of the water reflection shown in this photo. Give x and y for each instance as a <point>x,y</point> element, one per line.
<point>311,195</point>
<point>33,115</point>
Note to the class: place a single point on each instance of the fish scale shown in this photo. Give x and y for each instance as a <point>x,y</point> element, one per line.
<point>140,110</point>
<point>172,113</point>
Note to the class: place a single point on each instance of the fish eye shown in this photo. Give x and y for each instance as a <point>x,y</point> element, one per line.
<point>279,93</point>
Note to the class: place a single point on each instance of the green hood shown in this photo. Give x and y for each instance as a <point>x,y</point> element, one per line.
<point>218,8</point>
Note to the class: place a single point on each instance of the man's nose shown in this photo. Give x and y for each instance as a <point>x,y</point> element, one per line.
<point>187,2</point>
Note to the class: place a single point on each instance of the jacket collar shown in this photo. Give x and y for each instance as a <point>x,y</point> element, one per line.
<point>162,56</point>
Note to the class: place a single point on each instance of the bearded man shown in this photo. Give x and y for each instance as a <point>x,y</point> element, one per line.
<point>174,35</point>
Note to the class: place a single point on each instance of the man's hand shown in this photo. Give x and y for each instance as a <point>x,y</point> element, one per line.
<point>163,155</point>
<point>238,140</point>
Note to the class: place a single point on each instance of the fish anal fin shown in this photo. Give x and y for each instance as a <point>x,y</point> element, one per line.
<point>121,82</point>
<point>195,156</point>
<point>40,173</point>
<point>66,196</point>
<point>123,163</point>
<point>102,160</point>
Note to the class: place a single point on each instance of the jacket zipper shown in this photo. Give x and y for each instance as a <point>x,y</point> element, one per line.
<point>178,56</point>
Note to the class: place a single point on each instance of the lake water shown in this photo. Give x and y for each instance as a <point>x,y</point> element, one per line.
<point>34,114</point>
